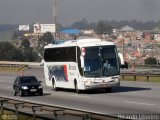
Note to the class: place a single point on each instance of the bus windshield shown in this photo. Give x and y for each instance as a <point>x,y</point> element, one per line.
<point>101,61</point>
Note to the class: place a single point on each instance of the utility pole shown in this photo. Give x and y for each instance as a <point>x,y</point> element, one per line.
<point>55,10</point>
<point>122,43</point>
<point>123,46</point>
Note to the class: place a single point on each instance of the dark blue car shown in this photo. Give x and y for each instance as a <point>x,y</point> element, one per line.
<point>26,85</point>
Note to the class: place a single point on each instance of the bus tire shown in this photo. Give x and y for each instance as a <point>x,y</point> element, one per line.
<point>54,85</point>
<point>76,87</point>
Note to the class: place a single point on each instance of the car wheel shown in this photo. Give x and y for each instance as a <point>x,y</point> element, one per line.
<point>21,93</point>
<point>15,93</point>
<point>41,93</point>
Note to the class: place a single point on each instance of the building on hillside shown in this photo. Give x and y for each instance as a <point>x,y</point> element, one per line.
<point>126,28</point>
<point>157,37</point>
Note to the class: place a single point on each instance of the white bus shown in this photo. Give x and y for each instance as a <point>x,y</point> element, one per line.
<point>81,65</point>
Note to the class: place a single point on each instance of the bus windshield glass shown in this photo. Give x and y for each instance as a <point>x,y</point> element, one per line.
<point>101,61</point>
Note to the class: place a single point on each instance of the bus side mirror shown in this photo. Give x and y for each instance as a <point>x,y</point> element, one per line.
<point>42,62</point>
<point>121,59</point>
<point>82,61</point>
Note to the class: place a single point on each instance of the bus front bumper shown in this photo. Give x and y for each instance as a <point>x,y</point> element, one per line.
<point>97,85</point>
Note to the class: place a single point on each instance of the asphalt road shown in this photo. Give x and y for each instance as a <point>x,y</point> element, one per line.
<point>130,98</point>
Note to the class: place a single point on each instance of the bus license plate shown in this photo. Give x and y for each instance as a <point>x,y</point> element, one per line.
<point>104,85</point>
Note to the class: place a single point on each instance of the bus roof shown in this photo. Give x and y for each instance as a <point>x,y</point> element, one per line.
<point>81,43</point>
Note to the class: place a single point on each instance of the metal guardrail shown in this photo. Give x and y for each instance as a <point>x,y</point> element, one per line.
<point>20,63</point>
<point>135,75</point>
<point>11,65</point>
<point>55,110</point>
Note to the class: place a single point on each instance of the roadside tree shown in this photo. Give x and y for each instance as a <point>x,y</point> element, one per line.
<point>8,52</point>
<point>28,53</point>
<point>46,39</point>
<point>103,28</point>
<point>151,61</point>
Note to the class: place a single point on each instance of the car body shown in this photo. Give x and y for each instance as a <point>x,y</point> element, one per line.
<point>27,85</point>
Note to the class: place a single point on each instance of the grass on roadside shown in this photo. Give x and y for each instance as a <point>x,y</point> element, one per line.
<point>141,78</point>
<point>9,115</point>
<point>6,69</point>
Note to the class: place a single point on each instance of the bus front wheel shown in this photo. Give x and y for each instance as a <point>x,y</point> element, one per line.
<point>76,87</point>
<point>54,85</point>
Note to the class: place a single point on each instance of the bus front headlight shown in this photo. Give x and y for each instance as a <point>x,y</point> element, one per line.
<point>88,82</point>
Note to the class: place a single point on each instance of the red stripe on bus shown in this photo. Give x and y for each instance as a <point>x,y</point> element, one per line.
<point>65,71</point>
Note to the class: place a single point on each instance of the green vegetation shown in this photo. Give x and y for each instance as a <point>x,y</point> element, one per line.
<point>46,39</point>
<point>8,69</point>
<point>9,52</point>
<point>28,54</point>
<point>22,51</point>
<point>9,115</point>
<point>103,28</point>
<point>151,61</point>
<point>143,78</point>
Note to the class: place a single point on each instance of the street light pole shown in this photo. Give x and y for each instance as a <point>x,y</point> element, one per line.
<point>55,17</point>
<point>123,47</point>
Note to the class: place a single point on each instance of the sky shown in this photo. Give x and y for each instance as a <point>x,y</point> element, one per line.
<point>70,11</point>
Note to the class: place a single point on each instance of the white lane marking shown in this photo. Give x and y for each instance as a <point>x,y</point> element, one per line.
<point>133,92</point>
<point>81,96</point>
<point>139,103</point>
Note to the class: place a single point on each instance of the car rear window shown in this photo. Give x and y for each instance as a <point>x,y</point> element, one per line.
<point>28,80</point>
